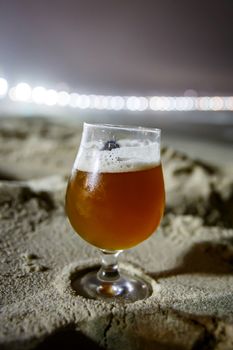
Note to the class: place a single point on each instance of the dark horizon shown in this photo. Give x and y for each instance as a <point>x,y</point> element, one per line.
<point>132,47</point>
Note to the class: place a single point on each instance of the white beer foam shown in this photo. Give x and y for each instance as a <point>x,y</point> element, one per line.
<point>133,155</point>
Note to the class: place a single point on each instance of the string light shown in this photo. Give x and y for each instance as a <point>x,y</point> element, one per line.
<point>23,92</point>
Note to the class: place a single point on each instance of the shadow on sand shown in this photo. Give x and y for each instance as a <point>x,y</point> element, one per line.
<point>204,258</point>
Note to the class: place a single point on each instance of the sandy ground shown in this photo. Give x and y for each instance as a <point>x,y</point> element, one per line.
<point>188,261</point>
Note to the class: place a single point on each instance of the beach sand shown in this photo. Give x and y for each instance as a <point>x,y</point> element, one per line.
<point>188,261</point>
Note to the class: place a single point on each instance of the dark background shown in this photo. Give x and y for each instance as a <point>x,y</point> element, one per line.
<point>119,47</point>
<point>159,47</point>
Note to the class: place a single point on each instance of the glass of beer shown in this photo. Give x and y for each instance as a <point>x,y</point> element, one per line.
<point>114,201</point>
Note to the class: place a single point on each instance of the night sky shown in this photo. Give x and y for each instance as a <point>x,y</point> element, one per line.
<point>119,47</point>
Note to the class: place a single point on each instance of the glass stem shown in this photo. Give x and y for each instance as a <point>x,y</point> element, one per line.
<point>109,271</point>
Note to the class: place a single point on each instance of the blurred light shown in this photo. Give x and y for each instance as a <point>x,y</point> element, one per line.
<point>51,97</point>
<point>190,93</point>
<point>93,101</point>
<point>38,95</point>
<point>84,101</point>
<point>74,100</point>
<point>63,98</point>
<point>23,92</point>
<point>167,103</point>
<point>229,103</point>
<point>143,105</point>
<point>116,103</point>
<point>203,103</point>
<point>170,104</point>
<point>216,103</point>
<point>11,94</point>
<point>3,87</point>
<point>190,103</point>
<point>99,102</point>
<point>184,103</point>
<point>156,103</point>
<point>134,103</point>
<point>105,102</point>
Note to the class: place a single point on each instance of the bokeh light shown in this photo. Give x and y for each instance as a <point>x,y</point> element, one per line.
<point>51,97</point>
<point>116,103</point>
<point>63,98</point>
<point>23,92</point>
<point>3,87</point>
<point>40,95</point>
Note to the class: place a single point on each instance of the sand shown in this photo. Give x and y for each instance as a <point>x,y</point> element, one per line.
<point>189,260</point>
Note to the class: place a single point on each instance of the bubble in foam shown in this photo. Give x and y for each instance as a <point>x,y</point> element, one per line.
<point>132,155</point>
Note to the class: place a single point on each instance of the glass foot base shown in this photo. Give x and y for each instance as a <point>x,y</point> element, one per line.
<point>124,289</point>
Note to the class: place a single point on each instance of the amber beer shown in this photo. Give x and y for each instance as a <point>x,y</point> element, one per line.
<point>116,210</point>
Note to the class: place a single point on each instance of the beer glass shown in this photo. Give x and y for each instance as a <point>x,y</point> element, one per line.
<point>114,201</point>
